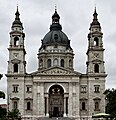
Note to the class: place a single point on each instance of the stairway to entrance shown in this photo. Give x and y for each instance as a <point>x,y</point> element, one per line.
<point>54,118</point>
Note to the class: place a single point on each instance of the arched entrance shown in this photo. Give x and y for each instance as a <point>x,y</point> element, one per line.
<point>56,101</point>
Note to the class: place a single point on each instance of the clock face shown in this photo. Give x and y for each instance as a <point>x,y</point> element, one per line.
<point>15,55</point>
<point>96,55</point>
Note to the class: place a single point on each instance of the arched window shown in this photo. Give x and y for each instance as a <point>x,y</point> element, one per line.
<point>96,105</point>
<point>16,40</point>
<point>49,63</point>
<point>70,63</point>
<point>41,63</point>
<point>15,105</point>
<point>96,68</point>
<point>28,105</point>
<point>55,36</point>
<point>83,105</point>
<point>62,62</point>
<point>15,67</point>
<point>55,62</point>
<point>96,41</point>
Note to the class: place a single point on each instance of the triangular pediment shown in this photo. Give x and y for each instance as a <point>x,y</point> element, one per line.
<point>98,32</point>
<point>56,71</point>
<point>97,60</point>
<point>15,61</point>
<point>15,32</point>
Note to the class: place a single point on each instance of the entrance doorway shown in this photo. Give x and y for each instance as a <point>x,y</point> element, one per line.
<point>56,101</point>
<point>56,112</point>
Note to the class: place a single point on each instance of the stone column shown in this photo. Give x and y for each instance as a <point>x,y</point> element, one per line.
<point>47,110</point>
<point>42,102</point>
<point>77,102</point>
<point>64,106</point>
<point>35,98</point>
<point>70,101</point>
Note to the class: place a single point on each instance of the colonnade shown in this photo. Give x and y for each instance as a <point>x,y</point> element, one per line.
<point>48,105</point>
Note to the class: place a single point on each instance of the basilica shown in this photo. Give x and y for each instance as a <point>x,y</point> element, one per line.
<point>55,89</point>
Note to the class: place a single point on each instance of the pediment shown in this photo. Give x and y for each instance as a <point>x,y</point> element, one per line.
<point>14,98</point>
<point>56,71</point>
<point>15,61</point>
<point>98,32</point>
<point>97,60</point>
<point>28,98</point>
<point>16,32</point>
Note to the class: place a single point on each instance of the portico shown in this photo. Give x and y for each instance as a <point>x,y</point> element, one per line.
<point>56,102</point>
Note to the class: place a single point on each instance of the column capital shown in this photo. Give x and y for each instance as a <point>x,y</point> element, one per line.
<point>66,95</point>
<point>64,107</point>
<point>46,95</point>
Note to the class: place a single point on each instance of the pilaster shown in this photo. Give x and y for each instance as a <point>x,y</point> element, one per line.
<point>77,102</point>
<point>42,100</point>
<point>35,99</point>
<point>64,106</point>
<point>70,101</point>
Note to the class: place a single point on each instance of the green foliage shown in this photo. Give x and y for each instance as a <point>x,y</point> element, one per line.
<point>10,115</point>
<point>3,113</point>
<point>14,114</point>
<point>111,102</point>
<point>1,76</point>
<point>2,95</point>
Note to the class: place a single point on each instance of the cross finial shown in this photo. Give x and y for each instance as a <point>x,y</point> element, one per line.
<point>95,12</point>
<point>55,7</point>
<point>95,8</point>
<point>17,2</point>
<point>17,7</point>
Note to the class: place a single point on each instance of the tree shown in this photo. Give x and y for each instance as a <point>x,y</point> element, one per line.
<point>1,76</point>
<point>14,114</point>
<point>2,95</point>
<point>3,113</point>
<point>111,102</point>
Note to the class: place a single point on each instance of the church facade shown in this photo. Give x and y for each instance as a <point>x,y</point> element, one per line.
<point>55,89</point>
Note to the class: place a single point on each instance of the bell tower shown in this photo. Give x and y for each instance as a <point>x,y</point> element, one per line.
<point>17,63</point>
<point>95,52</point>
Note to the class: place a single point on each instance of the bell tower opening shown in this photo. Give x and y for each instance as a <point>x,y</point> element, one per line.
<point>16,41</point>
<point>56,101</point>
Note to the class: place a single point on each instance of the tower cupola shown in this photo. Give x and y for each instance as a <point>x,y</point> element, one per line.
<point>95,22</point>
<point>17,22</point>
<point>55,17</point>
<point>55,22</point>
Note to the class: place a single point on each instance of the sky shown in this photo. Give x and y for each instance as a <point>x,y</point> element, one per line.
<point>76,16</point>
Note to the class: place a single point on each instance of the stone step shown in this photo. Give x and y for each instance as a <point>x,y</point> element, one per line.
<point>54,118</point>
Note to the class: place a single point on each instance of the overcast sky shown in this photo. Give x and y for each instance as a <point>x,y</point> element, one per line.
<point>76,16</point>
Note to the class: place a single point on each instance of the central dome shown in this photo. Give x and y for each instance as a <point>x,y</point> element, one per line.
<point>55,35</point>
